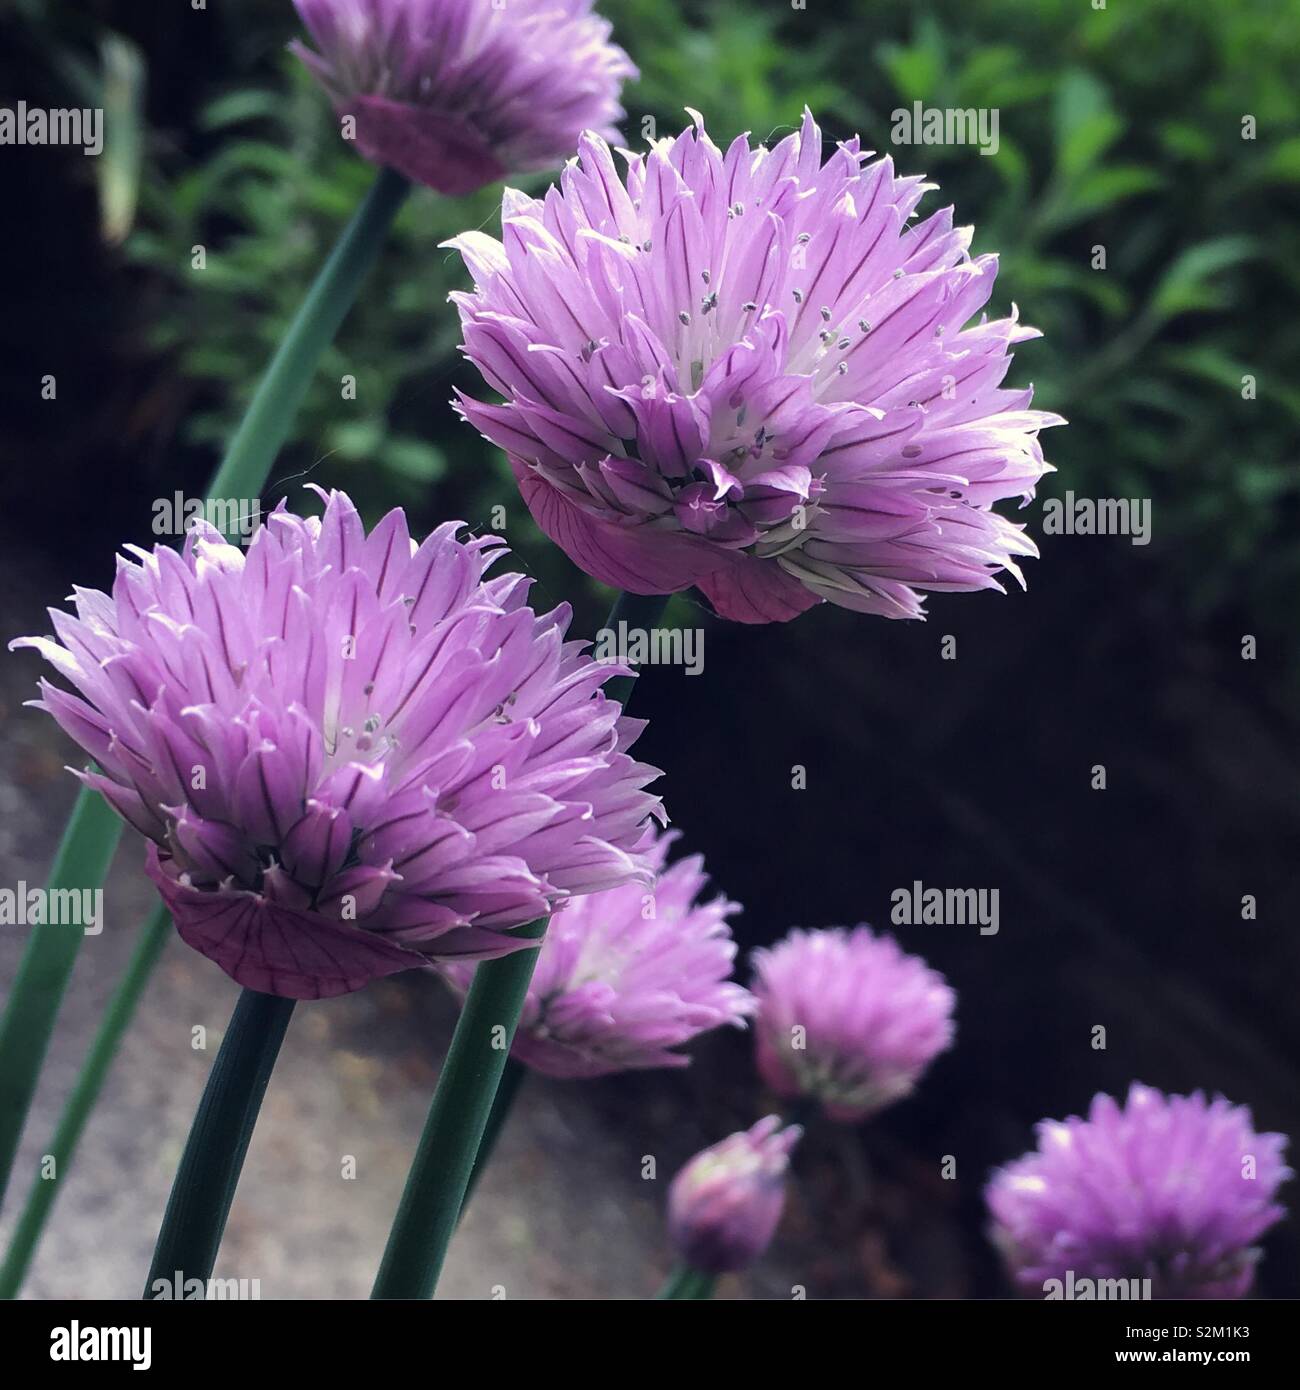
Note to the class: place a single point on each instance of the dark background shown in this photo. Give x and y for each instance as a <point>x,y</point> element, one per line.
<point>1119,908</point>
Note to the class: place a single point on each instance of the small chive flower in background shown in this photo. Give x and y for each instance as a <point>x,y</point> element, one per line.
<point>457,93</point>
<point>350,754</point>
<point>725,1204</point>
<point>1175,1189</point>
<point>628,975</point>
<point>752,372</point>
<point>847,1019</point>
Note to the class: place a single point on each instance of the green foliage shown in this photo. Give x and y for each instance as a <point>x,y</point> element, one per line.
<point>1119,128</point>
<point>264,206</point>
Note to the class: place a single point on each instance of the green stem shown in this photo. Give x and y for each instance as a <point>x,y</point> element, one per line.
<point>84,855</point>
<point>270,415</point>
<point>503,1103</point>
<point>440,1174</point>
<point>205,1183</point>
<point>77,1111</point>
<point>93,832</point>
<point>685,1282</point>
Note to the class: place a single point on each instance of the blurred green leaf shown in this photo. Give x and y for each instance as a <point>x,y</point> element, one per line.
<point>357,439</point>
<point>1284,161</point>
<point>1208,363</point>
<point>1094,192</point>
<point>916,69</point>
<point>1186,140</point>
<point>119,164</point>
<point>1189,282</point>
<point>1086,125</point>
<point>1042,275</point>
<point>233,108</point>
<point>415,459</point>
<point>996,75</point>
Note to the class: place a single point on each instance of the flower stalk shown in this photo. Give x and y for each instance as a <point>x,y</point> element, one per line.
<point>687,1283</point>
<point>271,412</point>
<point>439,1178</point>
<point>512,1079</point>
<point>195,1219</point>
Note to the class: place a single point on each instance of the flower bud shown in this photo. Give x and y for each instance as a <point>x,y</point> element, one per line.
<point>724,1205</point>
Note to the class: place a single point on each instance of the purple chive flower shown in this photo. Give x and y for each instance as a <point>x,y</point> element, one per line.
<point>351,755</point>
<point>847,1019</point>
<point>724,1205</point>
<point>751,372</point>
<point>626,975</point>
<point>1175,1189</point>
<point>457,93</point>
